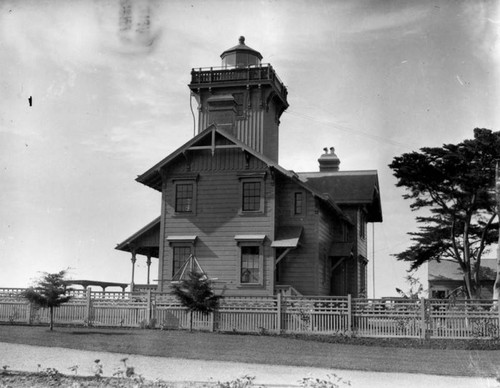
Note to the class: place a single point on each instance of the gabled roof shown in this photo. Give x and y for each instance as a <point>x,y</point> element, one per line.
<point>152,177</point>
<point>349,187</point>
<point>448,270</point>
<point>141,242</point>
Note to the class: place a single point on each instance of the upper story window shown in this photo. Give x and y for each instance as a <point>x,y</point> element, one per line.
<point>252,192</point>
<point>184,197</point>
<point>298,203</point>
<point>251,196</point>
<point>185,194</point>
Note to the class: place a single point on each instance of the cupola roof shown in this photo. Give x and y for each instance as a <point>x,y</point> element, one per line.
<point>241,48</point>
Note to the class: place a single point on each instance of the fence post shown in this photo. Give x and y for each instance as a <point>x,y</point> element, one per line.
<point>423,325</point>
<point>498,311</point>
<point>28,315</point>
<point>88,306</point>
<point>278,313</point>
<point>349,315</point>
<point>211,321</point>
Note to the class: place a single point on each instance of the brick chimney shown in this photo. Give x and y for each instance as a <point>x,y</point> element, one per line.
<point>329,161</point>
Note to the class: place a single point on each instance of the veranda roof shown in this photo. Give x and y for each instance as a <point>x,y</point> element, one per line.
<point>146,241</point>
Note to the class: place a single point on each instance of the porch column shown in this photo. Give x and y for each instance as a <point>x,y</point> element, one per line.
<point>133,260</point>
<point>148,262</point>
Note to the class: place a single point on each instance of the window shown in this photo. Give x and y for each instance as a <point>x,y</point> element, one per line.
<point>362,224</point>
<point>298,203</point>
<point>439,294</point>
<point>362,277</point>
<point>250,259</point>
<point>184,197</point>
<point>180,256</point>
<point>251,196</point>
<point>252,189</point>
<point>239,99</point>
<point>250,265</point>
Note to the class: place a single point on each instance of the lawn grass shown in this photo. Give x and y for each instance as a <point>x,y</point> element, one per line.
<point>263,349</point>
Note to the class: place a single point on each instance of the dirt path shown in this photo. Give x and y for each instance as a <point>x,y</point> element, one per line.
<point>27,358</point>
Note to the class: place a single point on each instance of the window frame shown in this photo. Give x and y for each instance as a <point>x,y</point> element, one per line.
<point>176,246</point>
<point>302,200</point>
<point>180,242</point>
<point>254,178</point>
<point>193,181</point>
<point>245,242</point>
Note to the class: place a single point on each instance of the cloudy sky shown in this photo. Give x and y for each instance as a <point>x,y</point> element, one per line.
<point>372,78</point>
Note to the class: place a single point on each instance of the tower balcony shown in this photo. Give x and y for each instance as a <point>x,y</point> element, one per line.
<point>237,76</point>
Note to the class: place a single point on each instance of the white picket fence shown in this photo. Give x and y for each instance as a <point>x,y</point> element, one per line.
<point>397,318</point>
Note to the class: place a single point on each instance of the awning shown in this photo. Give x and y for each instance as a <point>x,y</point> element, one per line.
<point>250,237</point>
<point>287,237</point>
<point>341,249</point>
<point>182,239</point>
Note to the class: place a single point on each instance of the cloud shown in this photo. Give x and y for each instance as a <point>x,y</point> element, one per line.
<point>375,19</point>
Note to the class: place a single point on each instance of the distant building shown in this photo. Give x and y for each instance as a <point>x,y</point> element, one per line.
<point>231,211</point>
<point>447,278</point>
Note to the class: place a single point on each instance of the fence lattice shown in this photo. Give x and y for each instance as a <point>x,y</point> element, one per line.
<point>398,318</point>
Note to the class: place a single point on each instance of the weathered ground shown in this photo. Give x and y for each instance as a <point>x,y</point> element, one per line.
<point>183,359</point>
<point>272,350</point>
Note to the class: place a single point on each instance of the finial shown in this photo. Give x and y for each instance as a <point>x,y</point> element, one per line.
<point>326,150</point>
<point>332,150</point>
<point>242,40</point>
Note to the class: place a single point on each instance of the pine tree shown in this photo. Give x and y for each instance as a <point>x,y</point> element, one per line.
<point>49,291</point>
<point>196,294</point>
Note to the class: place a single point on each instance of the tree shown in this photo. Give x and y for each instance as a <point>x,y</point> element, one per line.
<point>196,294</point>
<point>454,184</point>
<point>49,291</point>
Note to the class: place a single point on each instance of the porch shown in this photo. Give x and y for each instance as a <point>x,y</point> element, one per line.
<point>145,243</point>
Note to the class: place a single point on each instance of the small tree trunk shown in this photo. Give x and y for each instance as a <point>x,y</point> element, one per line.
<point>496,286</point>
<point>51,318</point>
<point>468,286</point>
<point>190,320</point>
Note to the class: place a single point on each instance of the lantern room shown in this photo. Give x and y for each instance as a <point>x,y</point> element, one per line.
<point>240,56</point>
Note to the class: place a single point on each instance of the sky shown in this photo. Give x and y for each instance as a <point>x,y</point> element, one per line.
<point>372,78</point>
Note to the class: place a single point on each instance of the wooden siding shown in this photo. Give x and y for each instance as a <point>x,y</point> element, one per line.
<point>218,219</point>
<point>360,249</point>
<point>257,127</point>
<point>299,268</point>
<point>325,237</point>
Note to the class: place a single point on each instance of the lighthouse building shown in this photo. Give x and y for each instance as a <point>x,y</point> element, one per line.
<point>229,210</point>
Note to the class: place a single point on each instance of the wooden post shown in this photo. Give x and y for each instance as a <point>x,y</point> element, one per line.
<point>349,315</point>
<point>148,263</point>
<point>88,308</point>
<point>148,309</point>
<point>133,260</point>
<point>278,313</point>
<point>423,326</point>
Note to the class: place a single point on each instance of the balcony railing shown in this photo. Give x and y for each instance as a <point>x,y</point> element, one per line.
<point>213,75</point>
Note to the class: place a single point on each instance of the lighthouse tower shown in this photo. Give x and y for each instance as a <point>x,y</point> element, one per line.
<point>243,97</point>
